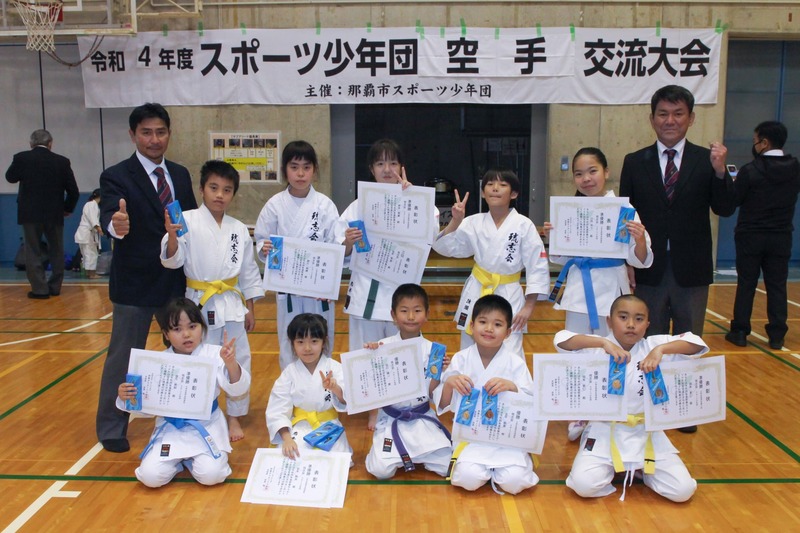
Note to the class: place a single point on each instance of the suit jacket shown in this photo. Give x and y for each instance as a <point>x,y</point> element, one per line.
<point>137,276</point>
<point>684,222</point>
<point>44,177</point>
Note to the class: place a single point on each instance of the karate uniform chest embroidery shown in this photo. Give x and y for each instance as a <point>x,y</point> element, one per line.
<point>314,227</point>
<point>511,247</point>
<point>640,379</point>
<point>234,248</point>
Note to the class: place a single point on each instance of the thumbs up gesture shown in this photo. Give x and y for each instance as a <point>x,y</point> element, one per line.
<point>120,221</point>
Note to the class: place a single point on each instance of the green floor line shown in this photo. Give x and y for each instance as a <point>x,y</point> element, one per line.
<point>52,384</point>
<point>761,349</point>
<point>765,433</point>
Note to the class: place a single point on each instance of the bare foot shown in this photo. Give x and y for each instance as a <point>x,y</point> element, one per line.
<point>373,419</point>
<point>235,428</point>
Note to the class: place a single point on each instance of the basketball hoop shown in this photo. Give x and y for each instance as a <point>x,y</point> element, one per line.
<point>40,21</point>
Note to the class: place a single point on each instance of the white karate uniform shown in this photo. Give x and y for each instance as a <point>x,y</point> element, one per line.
<point>86,237</point>
<point>380,325</point>
<point>175,448</point>
<point>297,387</point>
<point>424,441</point>
<point>608,284</point>
<point>593,469</point>
<point>210,252</point>
<point>505,250</point>
<point>510,469</point>
<point>314,218</point>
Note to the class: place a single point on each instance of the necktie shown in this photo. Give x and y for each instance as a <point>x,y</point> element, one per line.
<point>162,188</point>
<point>670,174</point>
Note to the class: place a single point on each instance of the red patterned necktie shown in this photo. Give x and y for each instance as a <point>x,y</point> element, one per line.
<point>163,191</point>
<point>670,174</point>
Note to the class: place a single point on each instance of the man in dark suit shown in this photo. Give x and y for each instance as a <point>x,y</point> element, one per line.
<point>44,178</point>
<point>134,194</point>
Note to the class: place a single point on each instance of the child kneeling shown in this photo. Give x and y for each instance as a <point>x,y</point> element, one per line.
<point>202,446</point>
<point>609,447</point>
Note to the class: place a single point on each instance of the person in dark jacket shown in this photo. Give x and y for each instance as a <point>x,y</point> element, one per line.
<point>48,193</point>
<point>766,193</point>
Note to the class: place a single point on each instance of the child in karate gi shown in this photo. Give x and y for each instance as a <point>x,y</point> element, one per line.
<point>503,243</point>
<point>222,275</point>
<point>87,236</point>
<point>609,447</point>
<point>588,305</point>
<point>308,392</point>
<point>201,446</point>
<point>488,364</point>
<point>302,212</point>
<point>368,302</point>
<point>409,428</point>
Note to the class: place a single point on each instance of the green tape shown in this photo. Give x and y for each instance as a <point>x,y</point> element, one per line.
<point>496,34</point>
<point>441,32</point>
<point>463,27</point>
<point>243,28</point>
<point>658,28</point>
<point>200,28</point>
<point>572,32</point>
<point>319,27</point>
<point>164,30</point>
<point>369,27</point>
<point>538,30</point>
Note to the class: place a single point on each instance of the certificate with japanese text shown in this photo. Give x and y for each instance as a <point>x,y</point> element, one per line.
<point>317,479</point>
<point>696,389</point>
<point>391,261</point>
<point>574,387</point>
<point>174,385</point>
<point>307,268</point>
<point>375,378</point>
<point>389,211</point>
<point>516,425</point>
<point>585,226</point>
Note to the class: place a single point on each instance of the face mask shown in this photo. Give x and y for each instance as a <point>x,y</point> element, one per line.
<point>755,152</point>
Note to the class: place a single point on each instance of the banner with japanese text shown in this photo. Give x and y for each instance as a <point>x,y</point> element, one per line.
<point>400,65</point>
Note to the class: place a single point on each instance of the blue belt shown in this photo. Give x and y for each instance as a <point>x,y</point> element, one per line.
<point>585,265</point>
<point>180,423</point>
<point>413,413</point>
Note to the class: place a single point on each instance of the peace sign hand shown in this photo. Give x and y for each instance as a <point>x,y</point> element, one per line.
<point>460,208</point>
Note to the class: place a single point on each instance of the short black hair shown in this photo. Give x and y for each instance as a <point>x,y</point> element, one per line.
<point>219,168</point>
<point>384,149</point>
<point>673,94</point>
<point>169,316</point>
<point>493,302</point>
<point>627,298</point>
<point>409,290</point>
<point>501,174</point>
<point>145,111</point>
<point>774,132</point>
<point>308,325</point>
<point>298,150</point>
<point>597,153</point>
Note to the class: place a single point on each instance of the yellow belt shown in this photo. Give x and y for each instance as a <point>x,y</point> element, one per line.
<point>460,448</point>
<point>489,282</point>
<point>210,288</point>
<point>314,418</point>
<point>649,451</point>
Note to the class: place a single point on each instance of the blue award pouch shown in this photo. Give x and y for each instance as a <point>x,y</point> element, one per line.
<point>330,439</point>
<point>176,217</point>
<point>616,377</point>
<point>362,245</point>
<point>136,403</point>
<point>435,361</point>
<point>488,408</point>
<point>319,434</point>
<point>656,386</point>
<point>275,259</point>
<point>626,214</point>
<point>467,408</point>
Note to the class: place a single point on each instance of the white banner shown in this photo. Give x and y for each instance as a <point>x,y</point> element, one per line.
<point>400,65</point>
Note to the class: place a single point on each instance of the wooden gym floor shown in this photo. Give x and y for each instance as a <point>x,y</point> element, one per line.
<point>55,477</point>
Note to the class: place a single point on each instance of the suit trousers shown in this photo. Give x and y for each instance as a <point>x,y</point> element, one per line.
<point>34,269</point>
<point>766,253</point>
<point>129,329</point>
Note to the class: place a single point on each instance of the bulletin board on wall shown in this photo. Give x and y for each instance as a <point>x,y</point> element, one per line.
<point>254,155</point>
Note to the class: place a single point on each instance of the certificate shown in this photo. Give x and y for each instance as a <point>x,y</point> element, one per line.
<point>174,385</point>
<point>696,389</point>
<point>317,479</point>
<point>388,211</point>
<point>376,378</point>
<point>516,425</point>
<point>391,261</point>
<point>575,387</point>
<point>307,268</point>
<point>586,226</point>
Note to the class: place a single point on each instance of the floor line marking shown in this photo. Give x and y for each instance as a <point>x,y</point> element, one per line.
<point>76,328</point>
<point>22,363</point>
<point>512,513</point>
<point>788,301</point>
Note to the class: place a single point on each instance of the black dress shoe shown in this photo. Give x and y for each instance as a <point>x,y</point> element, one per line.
<point>776,345</point>
<point>688,429</point>
<point>739,338</point>
<point>55,293</point>
<point>34,296</point>
<point>116,445</point>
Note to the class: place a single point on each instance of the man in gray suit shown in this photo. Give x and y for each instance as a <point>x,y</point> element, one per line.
<point>47,194</point>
